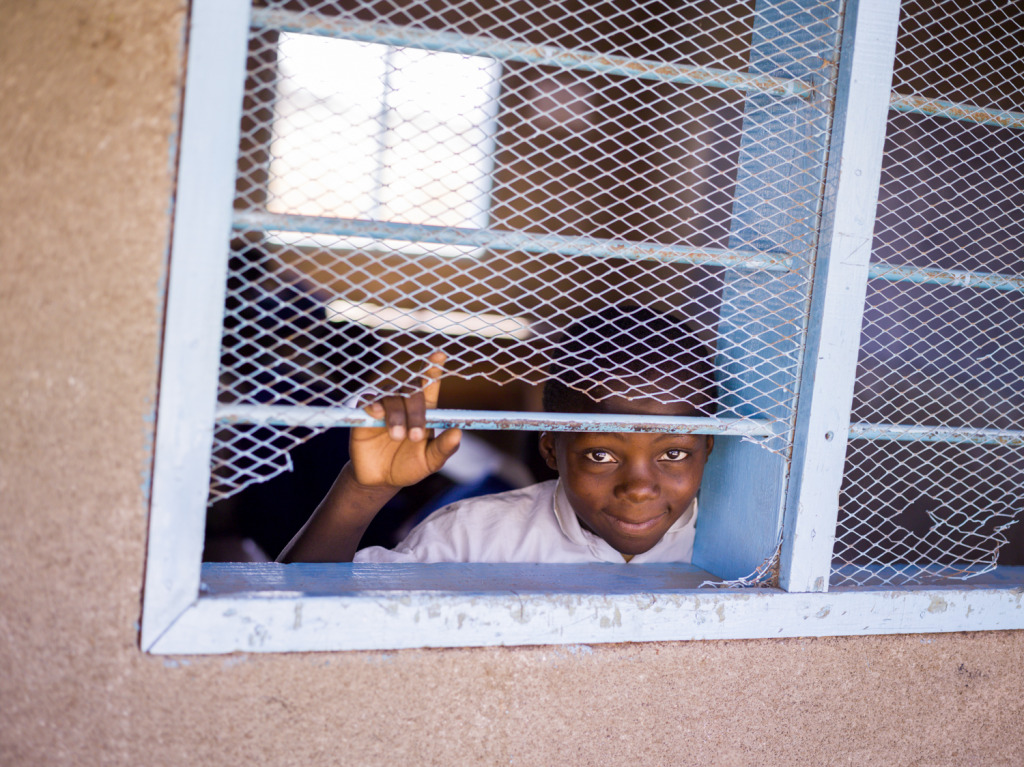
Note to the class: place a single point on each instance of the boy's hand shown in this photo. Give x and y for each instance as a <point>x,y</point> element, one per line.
<point>405,451</point>
<point>382,461</point>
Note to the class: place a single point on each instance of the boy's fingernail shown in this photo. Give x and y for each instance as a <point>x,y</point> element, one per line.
<point>397,432</point>
<point>416,434</point>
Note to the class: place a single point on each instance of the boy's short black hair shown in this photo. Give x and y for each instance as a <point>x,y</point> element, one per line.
<point>631,340</point>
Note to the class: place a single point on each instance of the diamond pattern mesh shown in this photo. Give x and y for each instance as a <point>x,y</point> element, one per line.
<point>418,174</point>
<point>941,344</point>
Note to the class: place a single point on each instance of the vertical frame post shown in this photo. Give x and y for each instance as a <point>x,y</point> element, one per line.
<point>218,32</point>
<point>840,285</point>
<point>763,316</point>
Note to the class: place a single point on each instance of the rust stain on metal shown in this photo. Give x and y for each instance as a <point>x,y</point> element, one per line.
<point>526,53</point>
<point>965,112</point>
<point>913,433</point>
<point>956,278</point>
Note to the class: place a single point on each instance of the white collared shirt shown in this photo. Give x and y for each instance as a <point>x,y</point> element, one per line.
<point>531,524</point>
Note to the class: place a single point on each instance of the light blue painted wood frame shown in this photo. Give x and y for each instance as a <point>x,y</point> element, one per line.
<point>192,608</point>
<point>211,119</point>
<point>840,284</point>
<point>307,607</point>
<point>763,316</point>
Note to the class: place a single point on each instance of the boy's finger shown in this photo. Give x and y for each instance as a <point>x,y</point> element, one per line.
<point>416,416</point>
<point>394,417</point>
<point>442,447</point>
<point>432,378</point>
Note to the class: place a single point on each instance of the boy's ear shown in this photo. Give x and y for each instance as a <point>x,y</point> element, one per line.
<point>711,445</point>
<point>547,450</point>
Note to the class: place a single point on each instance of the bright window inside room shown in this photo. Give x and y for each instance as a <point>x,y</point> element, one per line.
<point>373,132</point>
<point>698,158</point>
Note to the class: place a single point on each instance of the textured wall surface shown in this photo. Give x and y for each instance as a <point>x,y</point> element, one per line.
<point>88,108</point>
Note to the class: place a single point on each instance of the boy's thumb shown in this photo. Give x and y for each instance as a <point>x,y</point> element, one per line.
<point>443,447</point>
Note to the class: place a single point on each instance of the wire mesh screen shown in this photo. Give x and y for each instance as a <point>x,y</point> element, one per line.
<point>474,177</point>
<point>935,472</point>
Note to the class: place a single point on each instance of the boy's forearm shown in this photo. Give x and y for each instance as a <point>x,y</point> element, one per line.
<point>334,530</point>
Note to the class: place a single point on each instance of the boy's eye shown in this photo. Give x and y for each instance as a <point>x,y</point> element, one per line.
<point>600,456</point>
<point>674,455</point>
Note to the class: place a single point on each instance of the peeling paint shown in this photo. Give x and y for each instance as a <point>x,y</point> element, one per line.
<point>645,601</point>
<point>580,649</point>
<point>938,605</point>
<point>518,611</point>
<point>263,614</point>
<point>258,636</point>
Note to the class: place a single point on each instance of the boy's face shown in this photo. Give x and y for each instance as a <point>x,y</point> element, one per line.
<point>629,488</point>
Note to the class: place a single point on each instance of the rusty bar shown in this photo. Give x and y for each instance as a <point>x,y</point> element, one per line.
<point>953,111</point>
<point>915,433</point>
<point>499,420</point>
<point>954,277</point>
<point>511,241</point>
<point>525,53</point>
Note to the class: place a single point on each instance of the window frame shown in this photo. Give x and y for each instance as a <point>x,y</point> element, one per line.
<point>192,607</point>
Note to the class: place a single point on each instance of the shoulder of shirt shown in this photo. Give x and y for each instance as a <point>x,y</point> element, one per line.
<point>457,532</point>
<point>521,499</point>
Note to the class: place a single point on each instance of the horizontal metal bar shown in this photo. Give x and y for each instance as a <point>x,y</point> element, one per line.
<point>915,433</point>
<point>954,277</point>
<point>525,53</point>
<point>512,241</point>
<point>326,417</point>
<point>954,111</point>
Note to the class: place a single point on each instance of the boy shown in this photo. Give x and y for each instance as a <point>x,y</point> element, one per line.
<point>623,497</point>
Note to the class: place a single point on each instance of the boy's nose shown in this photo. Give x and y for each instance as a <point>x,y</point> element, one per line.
<point>638,485</point>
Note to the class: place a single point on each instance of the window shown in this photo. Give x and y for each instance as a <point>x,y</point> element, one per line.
<point>700,158</point>
<point>432,166</point>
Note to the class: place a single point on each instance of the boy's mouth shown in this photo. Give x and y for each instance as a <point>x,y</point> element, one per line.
<point>636,528</point>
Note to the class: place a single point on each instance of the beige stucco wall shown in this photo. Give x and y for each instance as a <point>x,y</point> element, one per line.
<point>88,105</point>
